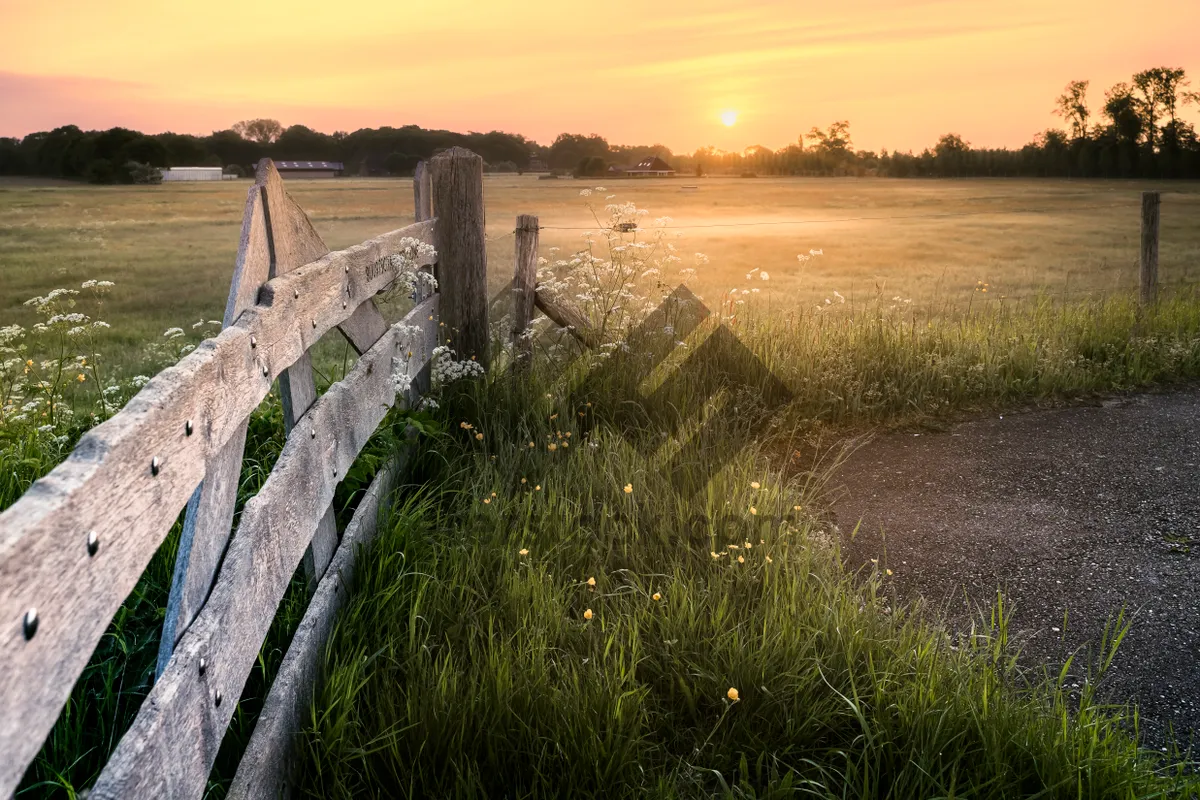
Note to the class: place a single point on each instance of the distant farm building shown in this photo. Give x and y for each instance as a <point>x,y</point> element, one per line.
<point>653,167</point>
<point>191,174</point>
<point>537,165</point>
<point>310,169</point>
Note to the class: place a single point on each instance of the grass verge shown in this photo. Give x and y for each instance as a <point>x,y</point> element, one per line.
<point>555,614</point>
<point>455,634</point>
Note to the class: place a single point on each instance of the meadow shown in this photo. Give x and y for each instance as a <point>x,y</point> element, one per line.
<point>170,248</point>
<point>721,647</point>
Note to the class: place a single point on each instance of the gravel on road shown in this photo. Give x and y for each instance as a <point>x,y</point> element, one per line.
<point>1074,514</point>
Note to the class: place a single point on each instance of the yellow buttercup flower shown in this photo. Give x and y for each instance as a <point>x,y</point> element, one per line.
<point>82,377</point>
<point>537,488</point>
<point>629,488</point>
<point>889,572</point>
<point>551,447</point>
<point>587,614</point>
<point>656,596</point>
<point>522,480</point>
<point>755,485</point>
<point>487,500</point>
<point>523,551</point>
<point>479,436</point>
<point>753,510</point>
<point>741,559</point>
<point>591,582</point>
<point>732,694</point>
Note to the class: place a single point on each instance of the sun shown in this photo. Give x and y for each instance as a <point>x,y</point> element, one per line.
<point>729,118</point>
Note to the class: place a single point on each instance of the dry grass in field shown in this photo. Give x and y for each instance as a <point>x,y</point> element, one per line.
<point>170,249</point>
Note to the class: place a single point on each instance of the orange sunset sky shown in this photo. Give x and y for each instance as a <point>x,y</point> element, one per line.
<point>633,71</point>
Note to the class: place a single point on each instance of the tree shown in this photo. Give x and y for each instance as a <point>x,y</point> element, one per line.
<point>304,144</point>
<point>1121,108</point>
<point>570,148</point>
<point>262,131</point>
<point>835,141</point>
<point>1072,107</point>
<point>139,172</point>
<point>182,150</point>
<point>591,167</point>
<point>400,163</point>
<point>950,154</point>
<point>231,148</point>
<point>1160,89</point>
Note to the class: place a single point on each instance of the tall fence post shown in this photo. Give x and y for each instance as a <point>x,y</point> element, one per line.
<point>422,212</point>
<point>456,176</point>
<point>524,286</point>
<point>1149,254</point>
<point>208,520</point>
<point>422,194</point>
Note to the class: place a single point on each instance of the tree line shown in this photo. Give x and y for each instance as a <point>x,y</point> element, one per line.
<point>1136,132</point>
<point>116,155</point>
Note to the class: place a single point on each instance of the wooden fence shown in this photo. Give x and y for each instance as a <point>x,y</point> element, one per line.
<point>73,547</point>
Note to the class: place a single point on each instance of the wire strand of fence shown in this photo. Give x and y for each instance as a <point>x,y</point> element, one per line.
<point>759,223</point>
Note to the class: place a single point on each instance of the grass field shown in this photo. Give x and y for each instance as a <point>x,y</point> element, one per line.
<point>477,660</point>
<point>170,248</point>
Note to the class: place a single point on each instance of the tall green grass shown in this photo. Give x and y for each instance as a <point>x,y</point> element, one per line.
<point>468,664</point>
<point>878,363</point>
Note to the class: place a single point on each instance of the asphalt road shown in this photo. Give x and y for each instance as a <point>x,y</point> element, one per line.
<point>1073,513</point>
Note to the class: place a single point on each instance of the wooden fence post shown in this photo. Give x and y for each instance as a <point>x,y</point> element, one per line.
<point>1149,252</point>
<point>456,176</point>
<point>422,212</point>
<point>209,515</point>
<point>294,243</point>
<point>276,239</point>
<point>524,287</point>
<point>422,193</point>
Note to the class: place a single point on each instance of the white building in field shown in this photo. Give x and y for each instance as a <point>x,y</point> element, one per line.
<point>191,174</point>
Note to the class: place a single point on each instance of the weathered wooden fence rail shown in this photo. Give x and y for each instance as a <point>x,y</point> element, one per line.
<point>74,546</point>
